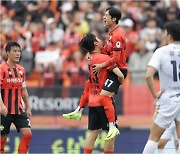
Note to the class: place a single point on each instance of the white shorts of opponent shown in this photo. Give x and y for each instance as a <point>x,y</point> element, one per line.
<point>168,109</point>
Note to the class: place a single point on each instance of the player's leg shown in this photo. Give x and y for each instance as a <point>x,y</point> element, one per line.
<point>162,121</point>
<point>166,136</point>
<point>110,87</point>
<point>22,124</point>
<point>178,132</point>
<point>94,126</point>
<point>90,140</point>
<point>5,124</point>
<point>3,142</point>
<point>153,139</point>
<point>109,146</point>
<point>176,143</point>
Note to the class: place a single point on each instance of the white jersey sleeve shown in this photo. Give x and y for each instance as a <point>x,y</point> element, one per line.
<point>155,60</point>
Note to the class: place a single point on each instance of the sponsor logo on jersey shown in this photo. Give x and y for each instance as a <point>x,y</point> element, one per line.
<point>15,80</point>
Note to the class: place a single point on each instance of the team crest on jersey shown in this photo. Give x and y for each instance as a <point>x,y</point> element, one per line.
<point>1,127</point>
<point>118,44</point>
<point>20,72</point>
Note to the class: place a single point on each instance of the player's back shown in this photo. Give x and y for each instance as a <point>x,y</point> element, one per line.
<point>169,71</point>
<point>96,81</point>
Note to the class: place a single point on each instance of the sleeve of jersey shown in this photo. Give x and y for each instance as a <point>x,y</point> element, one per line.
<point>155,60</point>
<point>117,44</point>
<point>85,95</point>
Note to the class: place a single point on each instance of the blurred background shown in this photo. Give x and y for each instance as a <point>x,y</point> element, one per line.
<point>49,32</point>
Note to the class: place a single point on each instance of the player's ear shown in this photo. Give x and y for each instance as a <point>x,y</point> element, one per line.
<point>114,19</point>
<point>95,43</point>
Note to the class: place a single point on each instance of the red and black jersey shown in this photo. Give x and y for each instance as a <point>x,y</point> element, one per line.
<point>11,81</point>
<point>115,47</point>
<point>97,81</point>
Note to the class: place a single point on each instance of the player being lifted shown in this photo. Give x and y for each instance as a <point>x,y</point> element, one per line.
<point>115,48</point>
<point>91,94</point>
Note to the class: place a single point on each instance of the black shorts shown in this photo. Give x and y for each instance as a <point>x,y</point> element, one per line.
<point>19,120</point>
<point>112,84</point>
<point>97,119</point>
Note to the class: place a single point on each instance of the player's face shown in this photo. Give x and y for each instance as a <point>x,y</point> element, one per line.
<point>14,54</point>
<point>99,43</point>
<point>107,19</point>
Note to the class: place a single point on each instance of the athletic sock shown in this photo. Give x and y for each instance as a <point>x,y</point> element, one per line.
<point>111,125</point>
<point>108,107</point>
<point>24,144</point>
<point>3,142</point>
<point>108,152</point>
<point>79,109</point>
<point>150,147</point>
<point>87,151</point>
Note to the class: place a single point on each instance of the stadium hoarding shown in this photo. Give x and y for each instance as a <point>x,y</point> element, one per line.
<point>59,100</point>
<point>71,141</point>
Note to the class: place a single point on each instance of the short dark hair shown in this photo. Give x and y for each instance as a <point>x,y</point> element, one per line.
<point>114,13</point>
<point>9,45</point>
<point>87,42</point>
<point>173,28</point>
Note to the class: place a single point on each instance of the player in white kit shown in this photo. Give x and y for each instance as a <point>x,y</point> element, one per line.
<point>165,60</point>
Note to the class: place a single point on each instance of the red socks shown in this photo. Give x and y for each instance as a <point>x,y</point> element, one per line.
<point>108,152</point>
<point>24,144</point>
<point>108,107</point>
<point>3,142</point>
<point>87,151</point>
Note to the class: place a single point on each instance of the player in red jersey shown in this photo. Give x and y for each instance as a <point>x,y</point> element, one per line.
<point>115,47</point>
<point>91,94</point>
<point>13,91</point>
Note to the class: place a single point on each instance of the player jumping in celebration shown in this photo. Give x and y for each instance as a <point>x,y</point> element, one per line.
<point>13,91</point>
<point>97,117</point>
<point>115,48</point>
<point>165,60</point>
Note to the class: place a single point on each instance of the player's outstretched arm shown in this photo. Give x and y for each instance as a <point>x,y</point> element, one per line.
<point>77,114</point>
<point>110,62</point>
